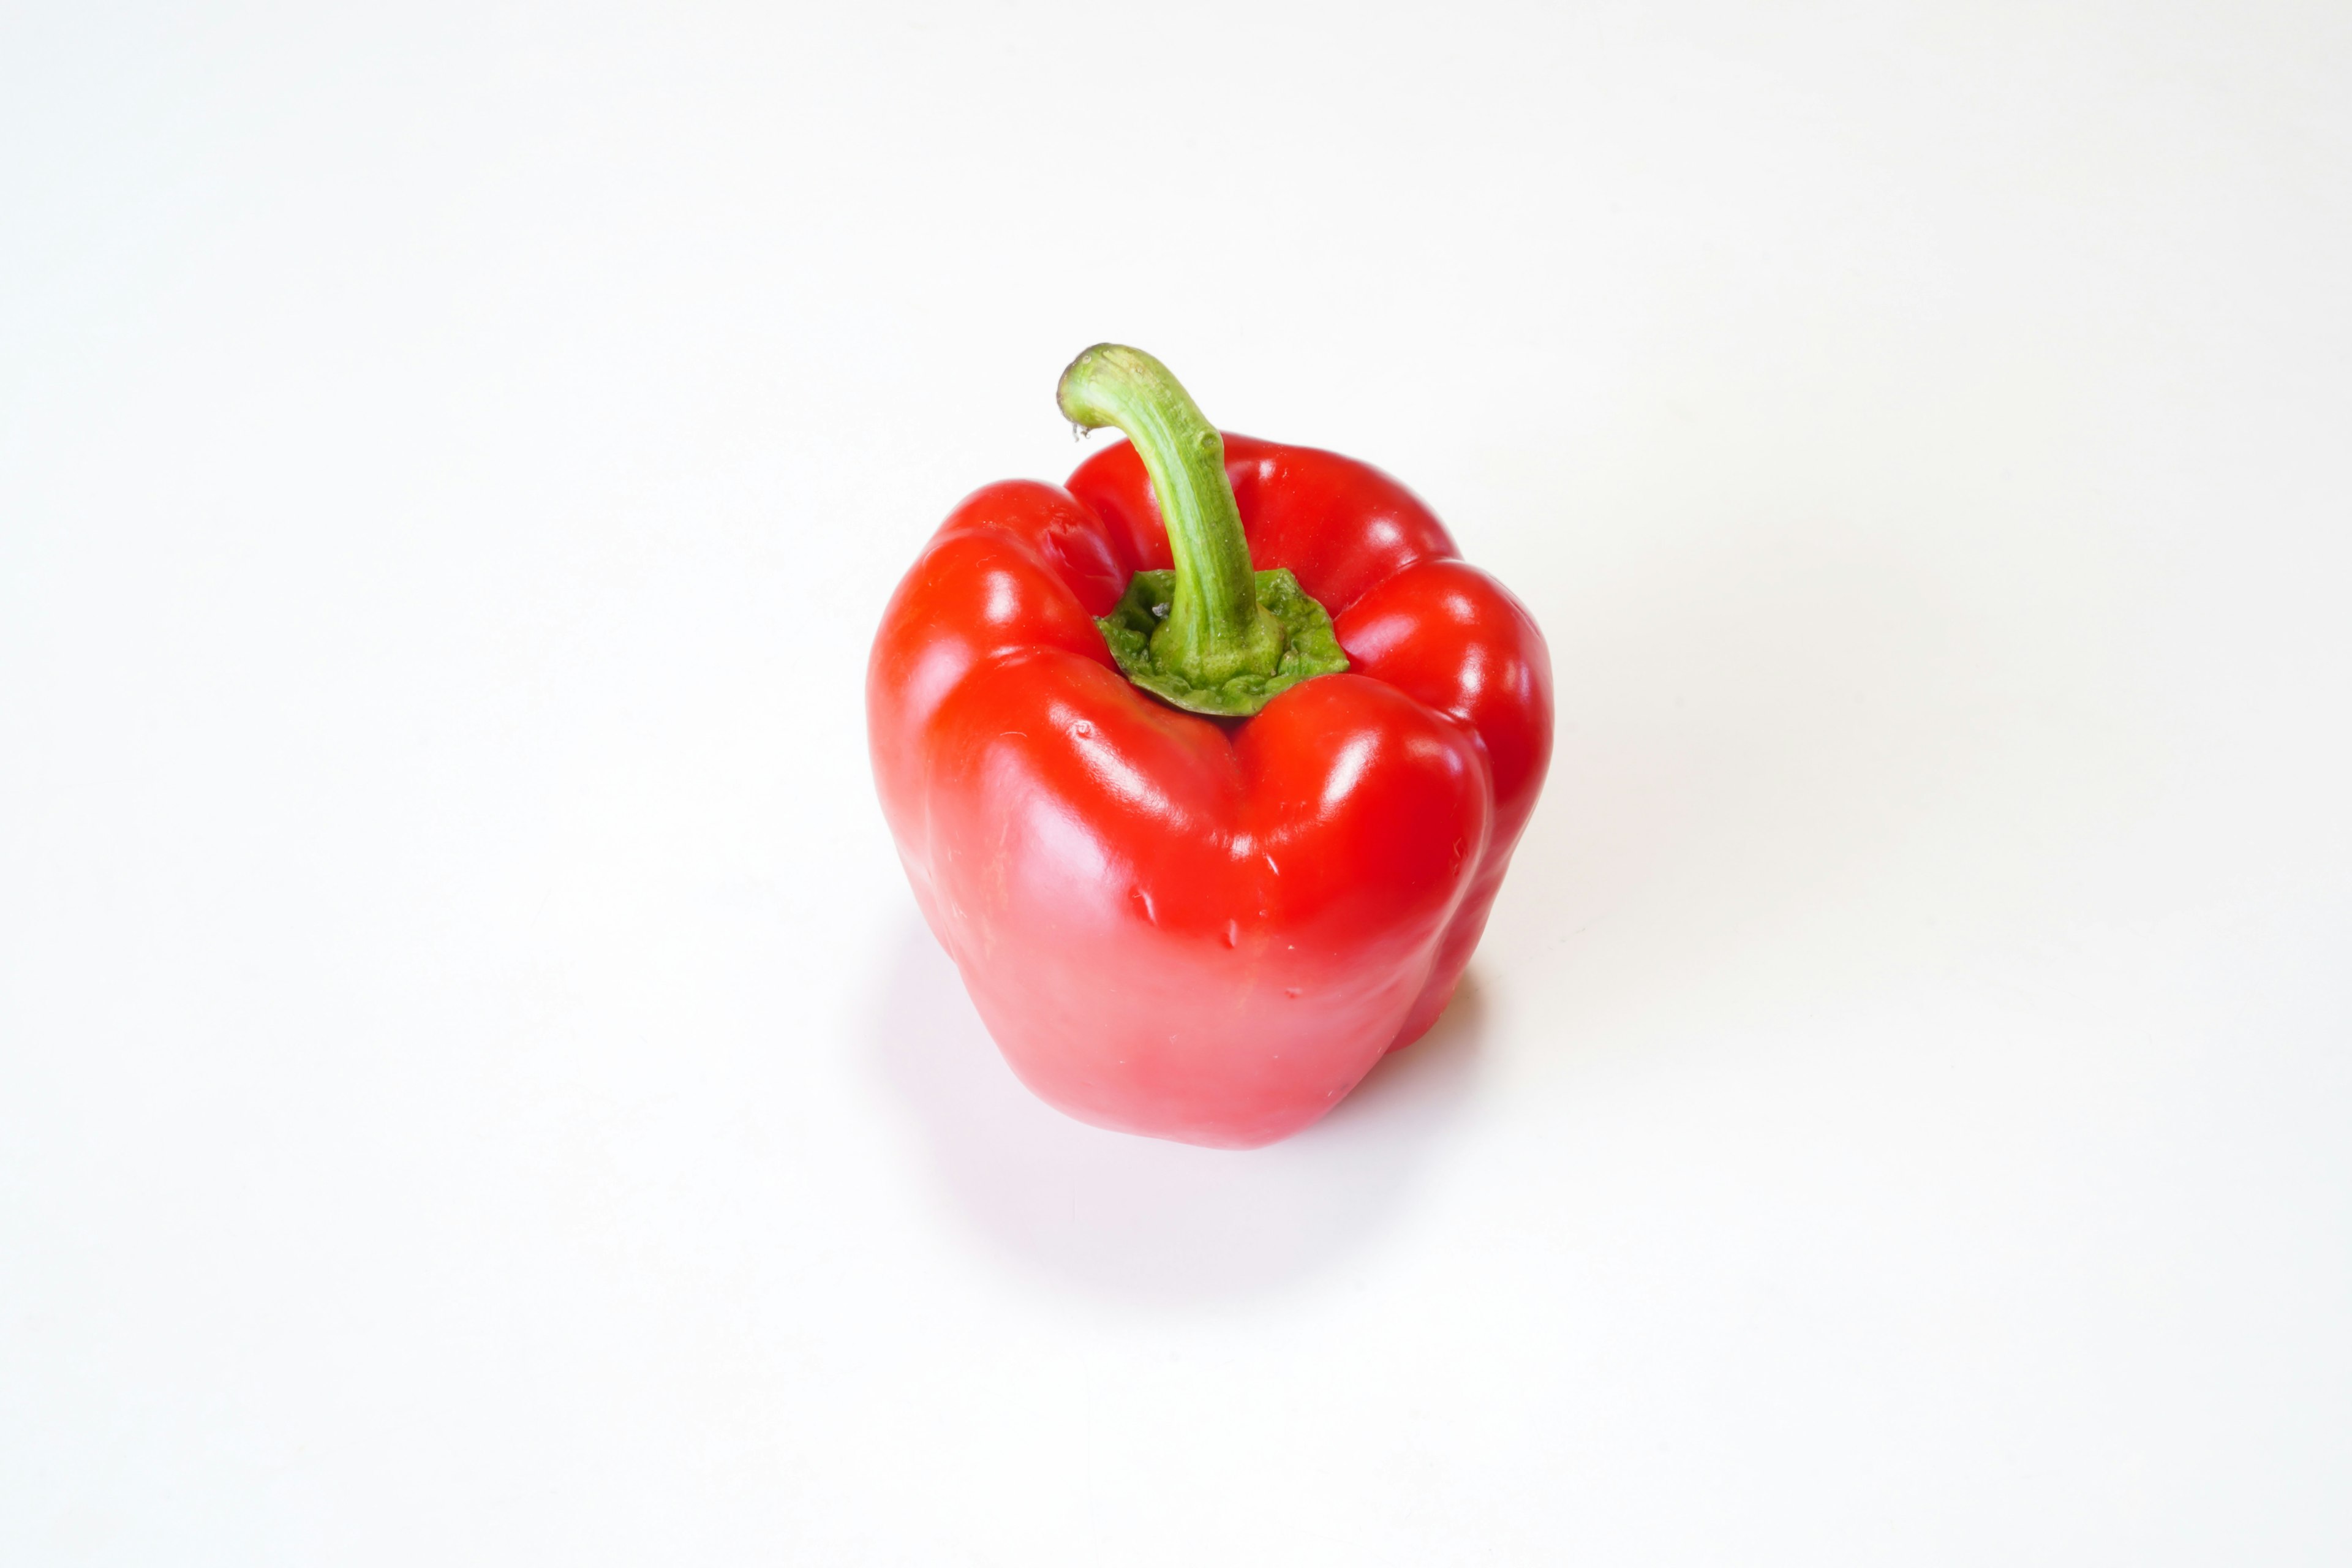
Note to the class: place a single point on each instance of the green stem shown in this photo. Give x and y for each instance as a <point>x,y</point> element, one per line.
<point>1215,628</point>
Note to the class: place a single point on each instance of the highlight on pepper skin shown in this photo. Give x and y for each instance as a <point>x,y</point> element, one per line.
<point>1197,886</point>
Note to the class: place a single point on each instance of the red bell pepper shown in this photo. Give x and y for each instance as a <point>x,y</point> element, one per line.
<point>1203,925</point>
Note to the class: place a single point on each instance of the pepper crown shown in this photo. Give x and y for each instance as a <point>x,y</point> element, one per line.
<point>1212,635</point>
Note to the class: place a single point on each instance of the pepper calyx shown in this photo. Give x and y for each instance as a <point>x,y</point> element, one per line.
<point>1310,646</point>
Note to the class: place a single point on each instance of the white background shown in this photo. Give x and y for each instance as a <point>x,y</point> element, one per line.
<point>473,1084</point>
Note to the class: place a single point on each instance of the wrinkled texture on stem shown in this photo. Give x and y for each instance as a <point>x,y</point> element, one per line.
<point>1210,634</point>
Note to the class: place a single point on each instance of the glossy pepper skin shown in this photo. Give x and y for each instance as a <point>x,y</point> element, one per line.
<point>1202,929</point>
